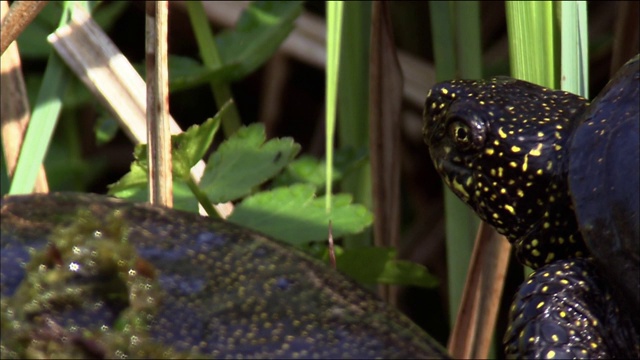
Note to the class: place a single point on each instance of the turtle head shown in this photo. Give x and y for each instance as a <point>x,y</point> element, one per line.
<point>501,146</point>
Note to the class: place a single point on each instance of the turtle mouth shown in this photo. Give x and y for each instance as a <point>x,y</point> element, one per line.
<point>457,177</point>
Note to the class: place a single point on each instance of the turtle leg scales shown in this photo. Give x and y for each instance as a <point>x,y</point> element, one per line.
<point>565,310</point>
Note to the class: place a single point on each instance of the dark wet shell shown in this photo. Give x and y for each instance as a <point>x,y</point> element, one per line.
<point>229,292</point>
<point>604,183</point>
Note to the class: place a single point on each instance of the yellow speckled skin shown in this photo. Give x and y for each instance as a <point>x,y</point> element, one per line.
<point>227,291</point>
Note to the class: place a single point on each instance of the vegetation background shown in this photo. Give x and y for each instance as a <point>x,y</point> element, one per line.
<point>287,94</point>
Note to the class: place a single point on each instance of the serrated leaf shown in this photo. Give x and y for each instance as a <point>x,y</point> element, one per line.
<point>187,149</point>
<point>190,146</point>
<point>294,215</point>
<point>308,169</point>
<point>370,265</point>
<point>305,169</point>
<point>244,161</point>
<point>261,29</point>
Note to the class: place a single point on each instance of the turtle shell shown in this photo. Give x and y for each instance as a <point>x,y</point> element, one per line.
<point>604,183</point>
<point>90,276</point>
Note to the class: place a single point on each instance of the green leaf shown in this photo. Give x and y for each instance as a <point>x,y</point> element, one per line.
<point>244,161</point>
<point>190,146</point>
<point>186,73</point>
<point>106,128</point>
<point>138,191</point>
<point>107,14</point>
<point>187,149</point>
<point>134,185</point>
<point>261,29</point>
<point>370,265</point>
<point>308,169</point>
<point>131,182</point>
<point>293,214</point>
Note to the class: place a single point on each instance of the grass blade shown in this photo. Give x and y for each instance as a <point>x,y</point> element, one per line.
<point>335,11</point>
<point>574,67</point>
<point>533,41</point>
<point>44,118</point>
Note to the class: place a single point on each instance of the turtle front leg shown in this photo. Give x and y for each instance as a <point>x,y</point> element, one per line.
<point>565,310</point>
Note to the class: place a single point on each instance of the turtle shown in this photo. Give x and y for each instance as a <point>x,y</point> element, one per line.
<point>90,276</point>
<point>76,266</point>
<point>558,176</point>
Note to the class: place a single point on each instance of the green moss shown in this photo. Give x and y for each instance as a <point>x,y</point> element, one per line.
<point>88,267</point>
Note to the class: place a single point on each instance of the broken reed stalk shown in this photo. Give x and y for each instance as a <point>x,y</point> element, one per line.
<point>158,135</point>
<point>14,109</point>
<point>475,323</point>
<point>385,110</point>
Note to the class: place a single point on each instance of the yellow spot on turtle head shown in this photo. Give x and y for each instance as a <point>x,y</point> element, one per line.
<point>551,354</point>
<point>502,133</point>
<point>540,304</point>
<point>444,91</point>
<point>536,151</point>
<point>510,209</point>
<point>489,151</point>
<point>460,188</point>
<point>550,257</point>
<point>525,163</point>
<point>557,147</point>
<point>515,149</point>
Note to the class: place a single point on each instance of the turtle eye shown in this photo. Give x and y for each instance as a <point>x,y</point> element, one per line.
<point>466,134</point>
<point>461,134</point>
